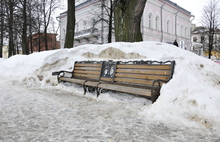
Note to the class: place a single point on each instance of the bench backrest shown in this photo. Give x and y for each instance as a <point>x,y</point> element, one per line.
<point>142,73</point>
<point>137,73</point>
<point>87,70</point>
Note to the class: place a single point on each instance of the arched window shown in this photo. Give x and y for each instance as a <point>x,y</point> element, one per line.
<point>168,26</point>
<point>150,20</point>
<point>157,23</point>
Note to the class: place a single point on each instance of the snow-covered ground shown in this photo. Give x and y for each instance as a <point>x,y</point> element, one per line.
<point>35,108</point>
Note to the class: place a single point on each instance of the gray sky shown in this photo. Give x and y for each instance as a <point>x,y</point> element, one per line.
<point>193,6</point>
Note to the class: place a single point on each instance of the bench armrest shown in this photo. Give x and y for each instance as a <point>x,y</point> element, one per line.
<point>62,74</point>
<point>155,90</point>
<point>55,73</point>
<point>158,81</point>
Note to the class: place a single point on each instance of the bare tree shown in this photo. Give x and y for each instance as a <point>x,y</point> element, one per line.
<point>210,20</point>
<point>127,19</point>
<point>70,29</point>
<point>11,8</point>
<point>24,42</point>
<point>2,26</point>
<point>105,16</point>
<point>31,24</point>
<point>21,20</point>
<point>48,8</point>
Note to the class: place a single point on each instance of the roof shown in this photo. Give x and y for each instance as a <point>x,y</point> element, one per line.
<point>168,1</point>
<point>176,5</point>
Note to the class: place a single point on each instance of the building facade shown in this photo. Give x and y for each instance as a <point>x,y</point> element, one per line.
<point>38,42</point>
<point>200,42</point>
<point>162,21</point>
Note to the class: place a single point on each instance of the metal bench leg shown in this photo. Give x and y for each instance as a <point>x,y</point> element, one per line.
<point>98,89</point>
<point>84,87</point>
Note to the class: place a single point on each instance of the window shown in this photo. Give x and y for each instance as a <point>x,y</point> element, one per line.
<point>194,39</point>
<point>150,20</point>
<point>77,27</point>
<point>168,26</point>
<point>157,23</point>
<point>185,31</point>
<point>84,24</point>
<point>177,29</point>
<point>202,39</point>
<point>181,30</point>
<point>64,33</point>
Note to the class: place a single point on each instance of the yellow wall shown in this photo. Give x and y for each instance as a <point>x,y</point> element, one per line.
<point>5,52</point>
<point>214,53</point>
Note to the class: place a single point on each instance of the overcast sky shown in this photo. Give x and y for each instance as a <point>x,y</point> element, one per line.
<point>193,6</point>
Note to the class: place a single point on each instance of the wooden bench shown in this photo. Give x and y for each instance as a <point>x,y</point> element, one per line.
<point>83,71</point>
<point>143,78</point>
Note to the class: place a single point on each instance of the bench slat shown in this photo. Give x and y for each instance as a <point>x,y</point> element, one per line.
<point>74,80</point>
<point>153,72</point>
<point>86,75</point>
<point>106,79</point>
<point>86,72</point>
<point>93,84</point>
<point>87,65</point>
<point>87,68</point>
<point>161,67</point>
<point>136,81</point>
<point>125,89</point>
<point>137,76</point>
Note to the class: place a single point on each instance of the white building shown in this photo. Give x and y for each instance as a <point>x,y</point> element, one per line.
<point>162,21</point>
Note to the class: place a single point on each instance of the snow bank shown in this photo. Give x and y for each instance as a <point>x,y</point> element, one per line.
<point>191,98</point>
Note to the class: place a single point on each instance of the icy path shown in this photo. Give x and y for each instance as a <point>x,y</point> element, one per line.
<point>45,115</point>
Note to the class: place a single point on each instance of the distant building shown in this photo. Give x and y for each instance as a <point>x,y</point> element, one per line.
<point>199,39</point>
<point>162,21</point>
<point>5,51</point>
<point>39,42</point>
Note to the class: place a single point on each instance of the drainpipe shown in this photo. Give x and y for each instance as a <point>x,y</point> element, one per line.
<point>193,17</point>
<point>161,14</point>
<point>176,24</point>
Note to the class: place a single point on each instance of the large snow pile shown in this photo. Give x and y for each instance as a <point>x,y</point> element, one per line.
<point>191,98</point>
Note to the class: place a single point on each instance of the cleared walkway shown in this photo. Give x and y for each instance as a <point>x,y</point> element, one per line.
<point>28,114</point>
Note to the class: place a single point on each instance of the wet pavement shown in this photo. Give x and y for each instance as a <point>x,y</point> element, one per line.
<point>30,114</point>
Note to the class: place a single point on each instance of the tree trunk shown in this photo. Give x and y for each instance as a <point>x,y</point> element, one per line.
<point>24,30</point>
<point>211,34</point>
<point>45,39</point>
<point>39,42</point>
<point>11,43</point>
<point>2,30</point>
<point>30,42</point>
<point>69,41</point>
<point>127,18</point>
<point>110,22</point>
